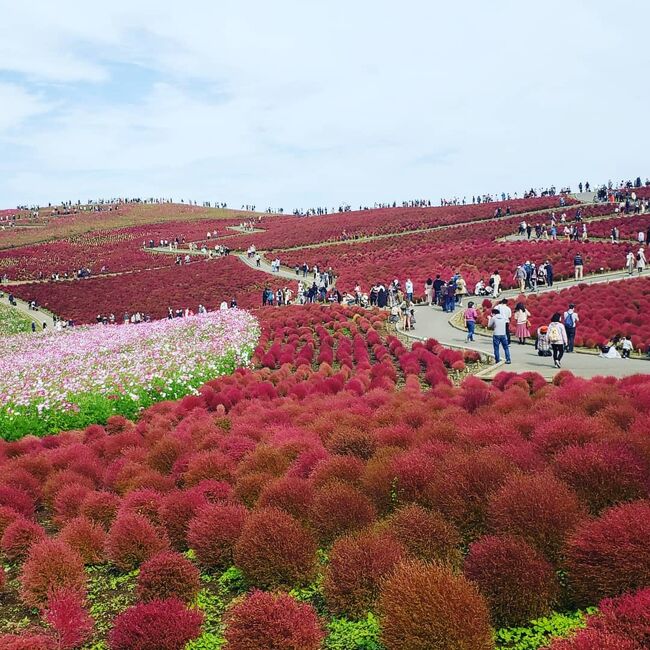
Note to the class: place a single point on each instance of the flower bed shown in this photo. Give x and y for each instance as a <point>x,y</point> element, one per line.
<point>63,380</point>
<point>605,310</point>
<point>13,321</point>
<point>153,291</point>
<point>628,225</point>
<point>423,256</point>
<point>352,472</point>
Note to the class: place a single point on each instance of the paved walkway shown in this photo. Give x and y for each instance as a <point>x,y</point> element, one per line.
<point>432,322</point>
<point>39,317</point>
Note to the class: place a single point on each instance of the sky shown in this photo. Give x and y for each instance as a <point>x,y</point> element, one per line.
<point>306,103</point>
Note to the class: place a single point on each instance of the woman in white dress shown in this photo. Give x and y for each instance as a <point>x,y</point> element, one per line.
<point>640,260</point>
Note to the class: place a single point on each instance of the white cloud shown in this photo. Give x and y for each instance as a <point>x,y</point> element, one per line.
<point>296,103</point>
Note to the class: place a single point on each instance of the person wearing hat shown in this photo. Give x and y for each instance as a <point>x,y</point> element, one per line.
<point>543,344</point>
<point>640,260</point>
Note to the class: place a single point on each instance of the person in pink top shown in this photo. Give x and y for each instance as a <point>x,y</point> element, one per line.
<point>470,315</point>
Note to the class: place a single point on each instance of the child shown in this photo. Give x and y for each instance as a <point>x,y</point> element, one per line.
<point>543,344</point>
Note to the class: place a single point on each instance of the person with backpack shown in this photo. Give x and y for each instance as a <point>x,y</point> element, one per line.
<point>640,260</point>
<point>558,338</point>
<point>570,323</point>
<point>578,266</point>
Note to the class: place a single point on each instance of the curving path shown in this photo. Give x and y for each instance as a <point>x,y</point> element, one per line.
<point>432,322</point>
<point>40,317</point>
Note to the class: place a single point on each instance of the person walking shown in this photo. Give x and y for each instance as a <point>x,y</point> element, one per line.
<point>408,287</point>
<point>640,260</point>
<point>630,262</point>
<point>438,285</point>
<point>428,291</point>
<point>496,283</point>
<point>571,319</point>
<point>578,266</point>
<point>520,278</point>
<point>470,315</point>
<point>521,319</point>
<point>497,323</point>
<point>507,314</point>
<point>549,273</point>
<point>558,337</point>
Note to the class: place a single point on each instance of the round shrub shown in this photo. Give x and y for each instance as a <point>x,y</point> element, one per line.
<point>100,507</point>
<point>275,551</point>
<point>427,606</point>
<point>340,508</point>
<point>67,502</point>
<point>51,565</point>
<point>357,565</point>
<point>591,639</point>
<point>463,485</point>
<point>272,622</point>
<point>145,502</point>
<point>516,580</point>
<point>27,642</point>
<point>168,575</point>
<point>628,615</point>
<point>291,494</point>
<point>603,474</point>
<point>17,499</point>
<point>213,532</point>
<point>425,535</point>
<point>68,617</point>
<point>177,510</point>
<point>7,516</point>
<point>131,540</point>
<point>537,507</point>
<point>158,625</point>
<point>86,537</point>
<point>338,468</point>
<point>610,555</point>
<point>18,537</point>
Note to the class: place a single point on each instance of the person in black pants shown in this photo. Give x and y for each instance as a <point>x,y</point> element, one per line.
<point>570,323</point>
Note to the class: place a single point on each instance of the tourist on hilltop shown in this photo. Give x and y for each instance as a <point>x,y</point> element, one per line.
<point>548,268</point>
<point>640,260</point>
<point>506,312</point>
<point>558,337</point>
<point>614,235</point>
<point>470,315</point>
<point>382,297</point>
<point>428,291</point>
<point>626,347</point>
<point>521,320</point>
<point>495,283</point>
<point>498,323</point>
<point>578,267</point>
<point>408,287</point>
<point>406,307</point>
<point>571,319</point>
<point>450,296</point>
<point>438,285</point>
<point>520,277</point>
<point>461,289</point>
<point>630,262</point>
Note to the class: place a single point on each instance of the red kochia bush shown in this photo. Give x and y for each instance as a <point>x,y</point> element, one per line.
<point>27,642</point>
<point>428,606</point>
<point>425,535</point>
<point>131,540</point>
<point>100,507</point>
<point>610,555</point>
<point>86,537</point>
<point>291,494</point>
<point>538,508</point>
<point>7,516</point>
<point>517,581</point>
<point>628,615</point>
<point>17,499</point>
<point>213,532</point>
<point>275,551</point>
<point>591,639</point>
<point>357,566</point>
<point>272,622</point>
<point>603,473</point>
<point>67,615</point>
<point>177,510</point>
<point>158,625</point>
<point>19,536</point>
<point>51,565</point>
<point>340,508</point>
<point>168,575</point>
